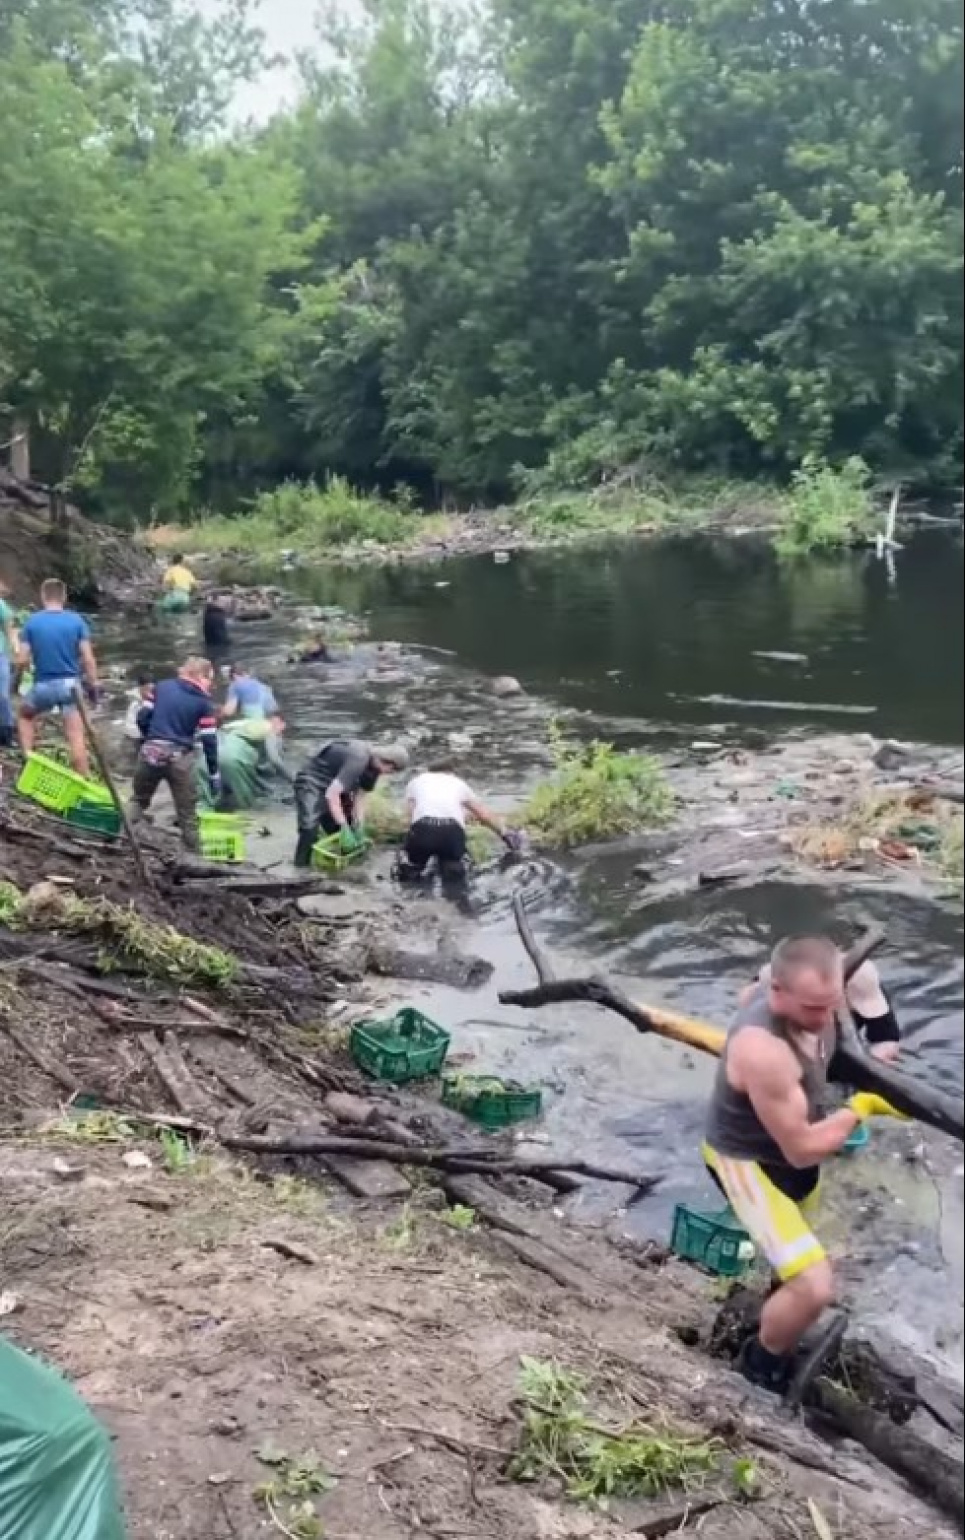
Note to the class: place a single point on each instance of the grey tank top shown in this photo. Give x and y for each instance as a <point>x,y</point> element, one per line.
<point>733,1127</point>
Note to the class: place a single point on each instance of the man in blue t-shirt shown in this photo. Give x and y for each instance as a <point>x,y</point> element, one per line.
<point>55,643</point>
<point>247,696</point>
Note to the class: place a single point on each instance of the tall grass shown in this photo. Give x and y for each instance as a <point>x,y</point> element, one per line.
<point>827,507</point>
<point>305,517</point>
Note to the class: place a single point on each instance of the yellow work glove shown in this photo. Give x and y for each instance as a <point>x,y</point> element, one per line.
<point>867,1104</point>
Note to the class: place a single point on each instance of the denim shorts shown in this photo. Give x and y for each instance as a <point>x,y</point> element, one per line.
<point>48,694</point>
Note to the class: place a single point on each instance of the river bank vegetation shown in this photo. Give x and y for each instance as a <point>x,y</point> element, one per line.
<point>563,254</point>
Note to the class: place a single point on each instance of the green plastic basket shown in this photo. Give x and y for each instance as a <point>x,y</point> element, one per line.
<point>52,785</point>
<point>717,1242</point>
<point>406,1046</point>
<point>490,1102</point>
<point>96,814</point>
<point>221,837</point>
<point>328,855</point>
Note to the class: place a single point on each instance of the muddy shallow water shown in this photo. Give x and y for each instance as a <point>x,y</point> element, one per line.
<point>657,645</point>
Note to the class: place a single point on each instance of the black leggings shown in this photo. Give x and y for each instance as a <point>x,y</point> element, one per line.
<point>444,838</point>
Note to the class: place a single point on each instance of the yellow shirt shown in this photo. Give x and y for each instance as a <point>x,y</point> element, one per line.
<point>180,578</point>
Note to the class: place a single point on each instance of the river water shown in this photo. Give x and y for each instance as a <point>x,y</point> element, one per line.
<point>657,644</point>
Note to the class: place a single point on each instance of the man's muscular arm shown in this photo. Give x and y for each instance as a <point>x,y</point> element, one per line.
<point>769,1075</point>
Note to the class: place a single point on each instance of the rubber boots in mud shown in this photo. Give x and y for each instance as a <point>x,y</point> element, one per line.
<point>789,1375</point>
<point>305,844</point>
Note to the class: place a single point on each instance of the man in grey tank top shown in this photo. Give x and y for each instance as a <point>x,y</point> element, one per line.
<point>767,1134</point>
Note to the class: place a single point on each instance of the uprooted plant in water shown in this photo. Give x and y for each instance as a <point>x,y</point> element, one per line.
<point>596,792</point>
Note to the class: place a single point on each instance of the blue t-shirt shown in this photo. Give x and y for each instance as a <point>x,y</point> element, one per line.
<point>252,697</point>
<point>54,638</point>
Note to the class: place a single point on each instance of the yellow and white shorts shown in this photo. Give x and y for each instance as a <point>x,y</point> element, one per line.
<point>775,1223</point>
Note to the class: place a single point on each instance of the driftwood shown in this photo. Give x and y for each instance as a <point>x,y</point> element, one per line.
<point>173,1073</point>
<point>475,1193</point>
<point>208,877</point>
<point>450,968</point>
<point>851,1065</point>
<point>937,1475</point>
<point>456,1160</point>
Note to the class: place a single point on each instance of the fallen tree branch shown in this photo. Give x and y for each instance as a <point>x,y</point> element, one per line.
<point>851,1065</point>
<point>937,1475</point>
<point>539,959</point>
<point>483,1161</point>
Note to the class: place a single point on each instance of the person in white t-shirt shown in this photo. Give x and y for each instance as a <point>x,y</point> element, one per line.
<point>438,804</point>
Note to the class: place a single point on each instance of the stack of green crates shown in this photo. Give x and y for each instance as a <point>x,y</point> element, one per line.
<point>52,785</point>
<point>86,804</point>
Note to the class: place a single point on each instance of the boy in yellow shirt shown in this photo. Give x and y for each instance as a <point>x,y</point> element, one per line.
<point>179,583</point>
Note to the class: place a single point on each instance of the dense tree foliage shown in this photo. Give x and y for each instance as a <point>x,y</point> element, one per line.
<point>541,240</point>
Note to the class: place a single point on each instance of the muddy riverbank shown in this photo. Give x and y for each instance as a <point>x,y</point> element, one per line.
<point>235,1317</point>
<point>748,787</point>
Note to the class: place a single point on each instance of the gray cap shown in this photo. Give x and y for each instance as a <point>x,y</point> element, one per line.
<point>394,754</point>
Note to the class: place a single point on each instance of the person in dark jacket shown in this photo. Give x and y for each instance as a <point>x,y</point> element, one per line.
<point>181,715</point>
<point>214,623</point>
<point>331,787</point>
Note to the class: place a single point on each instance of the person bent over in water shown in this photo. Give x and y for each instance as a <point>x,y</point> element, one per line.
<point>330,790</point>
<point>767,1135</point>
<point>438,804</point>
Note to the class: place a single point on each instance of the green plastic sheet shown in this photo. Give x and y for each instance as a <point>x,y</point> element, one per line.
<point>57,1478</point>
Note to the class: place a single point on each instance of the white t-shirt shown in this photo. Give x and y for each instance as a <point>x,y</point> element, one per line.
<point>436,794</point>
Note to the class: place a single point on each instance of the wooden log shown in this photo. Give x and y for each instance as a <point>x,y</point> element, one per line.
<point>174,1075</point>
<point>484,1161</point>
<point>937,1475</point>
<point>450,968</point>
<point>511,1219</point>
<point>851,1065</point>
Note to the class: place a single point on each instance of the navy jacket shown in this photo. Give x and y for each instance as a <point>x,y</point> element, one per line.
<point>183,714</point>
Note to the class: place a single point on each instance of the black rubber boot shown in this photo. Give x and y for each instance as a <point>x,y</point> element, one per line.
<point>771,1371</point>
<point>304,847</point>
<point>814,1354</point>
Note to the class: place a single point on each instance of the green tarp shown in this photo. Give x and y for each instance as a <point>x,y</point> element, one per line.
<point>56,1468</point>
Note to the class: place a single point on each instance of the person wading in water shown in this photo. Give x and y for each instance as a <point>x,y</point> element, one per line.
<point>438,804</point>
<point>330,790</point>
<point>767,1135</point>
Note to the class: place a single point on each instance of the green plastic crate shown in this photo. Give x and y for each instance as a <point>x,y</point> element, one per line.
<point>490,1102</point>
<point>328,855</point>
<point>50,784</point>
<point>717,1242</point>
<point>406,1046</point>
<point>221,837</point>
<point>100,816</point>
